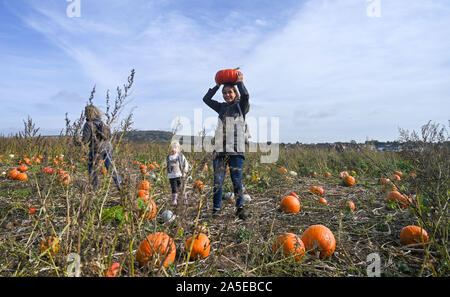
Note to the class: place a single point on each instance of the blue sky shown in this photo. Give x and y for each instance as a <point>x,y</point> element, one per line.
<point>328,70</point>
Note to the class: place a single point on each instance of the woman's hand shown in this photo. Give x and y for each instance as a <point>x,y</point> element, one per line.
<point>240,77</point>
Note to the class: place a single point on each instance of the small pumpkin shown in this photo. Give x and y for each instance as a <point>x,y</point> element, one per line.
<point>399,173</point>
<point>317,190</point>
<point>396,177</point>
<point>227,76</point>
<point>327,174</point>
<point>402,199</point>
<point>13,174</point>
<point>349,205</point>
<point>50,245</point>
<point>200,247</point>
<point>158,247</point>
<point>323,201</point>
<point>23,168</point>
<point>318,238</point>
<point>149,207</point>
<point>291,245</point>
<point>290,204</point>
<point>22,176</point>
<point>348,181</point>
<point>113,270</point>
<point>143,168</point>
<point>413,235</point>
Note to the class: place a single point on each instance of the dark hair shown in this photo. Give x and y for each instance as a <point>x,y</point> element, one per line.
<point>232,86</point>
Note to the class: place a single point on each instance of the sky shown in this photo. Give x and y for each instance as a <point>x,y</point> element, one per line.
<point>328,70</point>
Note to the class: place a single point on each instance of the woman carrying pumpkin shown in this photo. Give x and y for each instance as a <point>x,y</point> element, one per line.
<point>97,135</point>
<point>177,166</point>
<point>229,139</point>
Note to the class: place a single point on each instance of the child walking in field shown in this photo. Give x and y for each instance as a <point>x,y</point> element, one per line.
<point>177,166</point>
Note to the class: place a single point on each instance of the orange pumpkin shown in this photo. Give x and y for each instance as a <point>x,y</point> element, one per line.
<point>318,238</point>
<point>143,194</point>
<point>402,199</point>
<point>198,184</point>
<point>13,174</point>
<point>47,170</point>
<point>413,235</point>
<point>283,170</point>
<point>113,270</point>
<point>227,76</point>
<point>151,210</point>
<point>291,245</point>
<point>22,176</point>
<point>396,177</point>
<point>64,178</point>
<point>158,248</point>
<point>23,168</point>
<point>201,246</point>
<point>327,174</point>
<point>323,201</point>
<point>50,245</point>
<point>349,205</point>
<point>348,181</point>
<point>290,204</point>
<point>399,173</point>
<point>145,185</point>
<point>143,168</point>
<point>317,190</point>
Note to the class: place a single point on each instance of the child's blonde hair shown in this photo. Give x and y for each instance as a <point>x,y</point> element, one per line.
<point>175,145</point>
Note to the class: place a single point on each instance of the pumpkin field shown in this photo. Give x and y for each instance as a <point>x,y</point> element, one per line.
<point>315,212</point>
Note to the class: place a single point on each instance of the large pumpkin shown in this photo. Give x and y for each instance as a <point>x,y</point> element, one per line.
<point>413,235</point>
<point>318,238</point>
<point>227,76</point>
<point>290,204</point>
<point>201,246</point>
<point>291,244</point>
<point>157,247</point>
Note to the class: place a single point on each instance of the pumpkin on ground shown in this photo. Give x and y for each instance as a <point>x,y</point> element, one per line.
<point>317,190</point>
<point>290,204</point>
<point>200,247</point>
<point>13,174</point>
<point>149,207</point>
<point>157,247</point>
<point>327,174</point>
<point>50,245</point>
<point>348,181</point>
<point>413,235</point>
<point>291,245</point>
<point>323,201</point>
<point>145,185</point>
<point>402,199</point>
<point>113,270</point>
<point>22,176</point>
<point>348,205</point>
<point>318,238</point>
